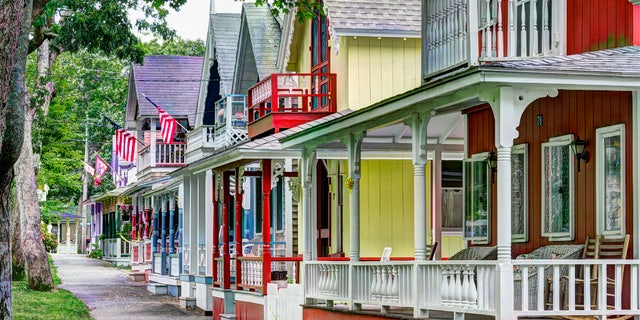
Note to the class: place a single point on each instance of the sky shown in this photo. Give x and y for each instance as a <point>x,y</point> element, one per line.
<point>191,22</point>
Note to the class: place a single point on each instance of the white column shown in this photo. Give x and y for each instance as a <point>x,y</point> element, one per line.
<point>153,147</point>
<point>354,146</point>
<point>68,236</point>
<point>418,124</point>
<point>636,168</point>
<point>508,105</point>
<point>307,167</point>
<point>208,191</point>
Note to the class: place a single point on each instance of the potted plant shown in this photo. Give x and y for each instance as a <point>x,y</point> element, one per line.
<point>126,210</point>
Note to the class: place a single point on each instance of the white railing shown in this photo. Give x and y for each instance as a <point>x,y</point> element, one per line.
<point>219,276</point>
<point>200,137</point>
<point>230,121</point>
<point>144,157</point>
<point>327,280</point>
<point>170,154</point>
<point>116,248</point>
<point>186,258</point>
<point>251,276</point>
<point>464,32</point>
<point>542,288</point>
<point>290,266</point>
<point>389,284</point>
<point>202,258</point>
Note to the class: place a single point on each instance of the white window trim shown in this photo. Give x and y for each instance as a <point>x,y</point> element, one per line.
<point>601,134</point>
<point>523,149</point>
<point>477,240</point>
<point>564,140</point>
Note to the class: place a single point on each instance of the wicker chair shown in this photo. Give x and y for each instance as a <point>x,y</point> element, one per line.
<point>476,253</point>
<point>562,251</point>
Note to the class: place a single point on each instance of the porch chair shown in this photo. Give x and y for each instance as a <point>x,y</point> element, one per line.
<point>591,251</point>
<point>476,253</point>
<point>431,250</point>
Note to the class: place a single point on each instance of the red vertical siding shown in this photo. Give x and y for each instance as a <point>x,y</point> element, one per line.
<point>248,311</point>
<point>321,314</point>
<point>218,307</point>
<point>577,112</point>
<point>601,24</point>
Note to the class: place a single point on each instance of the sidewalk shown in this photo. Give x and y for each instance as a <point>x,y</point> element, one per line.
<point>110,294</point>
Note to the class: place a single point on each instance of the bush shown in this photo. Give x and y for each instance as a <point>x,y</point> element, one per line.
<point>49,239</point>
<point>96,252</point>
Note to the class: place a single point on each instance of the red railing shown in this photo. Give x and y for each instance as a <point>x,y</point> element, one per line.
<point>293,92</point>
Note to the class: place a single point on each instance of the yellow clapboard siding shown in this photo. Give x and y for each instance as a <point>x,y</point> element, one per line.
<point>375,70</point>
<point>451,244</point>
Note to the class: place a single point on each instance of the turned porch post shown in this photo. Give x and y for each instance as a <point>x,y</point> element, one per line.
<point>308,164</point>
<point>508,105</point>
<point>238,220</point>
<point>354,146</point>
<point>225,233</point>
<point>172,222</point>
<point>215,252</point>
<point>163,233</point>
<point>154,236</point>
<point>418,124</point>
<point>266,223</point>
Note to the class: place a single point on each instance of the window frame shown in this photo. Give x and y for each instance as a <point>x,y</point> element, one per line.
<point>479,157</point>
<point>601,160</point>
<point>560,141</point>
<point>521,149</point>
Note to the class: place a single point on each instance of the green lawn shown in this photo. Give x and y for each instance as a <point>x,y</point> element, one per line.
<point>59,304</point>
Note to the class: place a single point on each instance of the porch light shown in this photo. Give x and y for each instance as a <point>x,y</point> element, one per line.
<point>578,146</point>
<point>492,162</point>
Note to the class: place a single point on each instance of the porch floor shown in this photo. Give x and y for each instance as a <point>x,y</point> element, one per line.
<point>394,312</point>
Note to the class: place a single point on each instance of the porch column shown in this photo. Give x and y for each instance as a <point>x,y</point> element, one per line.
<point>225,233</point>
<point>238,220</point>
<point>418,124</point>
<point>215,252</point>
<point>308,163</point>
<point>172,219</point>
<point>635,240</point>
<point>134,220</point>
<point>266,223</point>
<point>68,235</point>
<point>163,233</point>
<point>154,236</point>
<point>508,105</point>
<point>354,146</point>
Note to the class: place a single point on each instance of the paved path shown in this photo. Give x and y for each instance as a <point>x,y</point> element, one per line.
<point>110,294</point>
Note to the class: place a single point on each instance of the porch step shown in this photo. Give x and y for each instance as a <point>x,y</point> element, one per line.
<point>229,316</point>
<point>157,288</point>
<point>188,303</point>
<point>137,276</point>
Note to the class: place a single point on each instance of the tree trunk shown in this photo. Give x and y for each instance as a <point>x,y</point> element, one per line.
<point>38,271</point>
<point>18,265</point>
<point>14,38</point>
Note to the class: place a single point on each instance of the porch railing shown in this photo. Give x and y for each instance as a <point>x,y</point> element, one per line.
<point>542,288</point>
<point>251,273</point>
<point>293,92</point>
<point>116,248</point>
<point>218,278</point>
<point>166,155</point>
<point>202,258</point>
<point>186,258</point>
<point>200,137</point>
<point>230,120</point>
<point>465,32</point>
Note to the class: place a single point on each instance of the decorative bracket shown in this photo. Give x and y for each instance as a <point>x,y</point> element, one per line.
<point>508,105</point>
<point>354,147</point>
<point>418,124</point>
<point>277,171</point>
<point>308,163</point>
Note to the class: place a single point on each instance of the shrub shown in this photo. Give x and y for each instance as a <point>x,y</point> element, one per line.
<point>48,239</point>
<point>96,252</point>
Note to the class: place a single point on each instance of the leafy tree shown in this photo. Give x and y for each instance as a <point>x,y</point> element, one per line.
<point>175,47</point>
<point>306,9</point>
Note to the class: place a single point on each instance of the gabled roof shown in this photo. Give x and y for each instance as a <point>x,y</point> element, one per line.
<point>624,61</point>
<point>171,82</point>
<point>380,18</point>
<point>226,27</point>
<point>264,32</point>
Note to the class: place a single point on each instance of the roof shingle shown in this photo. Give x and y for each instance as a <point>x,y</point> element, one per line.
<point>374,17</point>
<point>226,27</point>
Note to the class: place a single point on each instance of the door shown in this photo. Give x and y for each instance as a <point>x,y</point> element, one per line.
<point>323,209</point>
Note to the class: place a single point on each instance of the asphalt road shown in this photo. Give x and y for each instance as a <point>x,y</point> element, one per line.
<point>110,294</point>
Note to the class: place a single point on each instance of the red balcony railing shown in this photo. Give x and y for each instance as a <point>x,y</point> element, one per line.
<point>282,101</point>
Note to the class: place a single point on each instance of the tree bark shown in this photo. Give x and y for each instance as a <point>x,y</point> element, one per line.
<point>38,271</point>
<point>18,265</point>
<point>13,30</point>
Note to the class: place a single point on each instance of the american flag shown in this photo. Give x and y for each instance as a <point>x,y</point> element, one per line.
<point>101,169</point>
<point>168,125</point>
<point>126,145</point>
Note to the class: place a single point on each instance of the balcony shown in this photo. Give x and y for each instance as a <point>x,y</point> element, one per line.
<point>158,158</point>
<point>231,121</point>
<point>282,101</point>
<point>199,143</point>
<point>499,29</point>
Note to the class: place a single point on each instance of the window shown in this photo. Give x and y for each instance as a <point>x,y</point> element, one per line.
<point>319,60</point>
<point>557,189</point>
<point>258,204</point>
<point>477,198</point>
<point>452,195</point>
<point>610,180</point>
<point>277,206</point>
<point>519,192</point>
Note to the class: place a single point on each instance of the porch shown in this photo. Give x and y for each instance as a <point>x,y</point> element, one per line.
<point>117,251</point>
<point>282,101</point>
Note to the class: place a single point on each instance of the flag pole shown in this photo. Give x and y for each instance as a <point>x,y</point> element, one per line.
<point>155,105</point>
<point>118,127</point>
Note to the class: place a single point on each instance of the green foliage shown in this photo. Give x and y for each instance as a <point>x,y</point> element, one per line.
<point>102,236</point>
<point>54,271</point>
<point>175,47</point>
<point>125,234</point>
<point>96,252</point>
<point>46,305</point>
<point>49,239</point>
<point>306,9</point>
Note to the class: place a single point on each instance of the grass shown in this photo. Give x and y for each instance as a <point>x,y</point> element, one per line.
<point>38,305</point>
